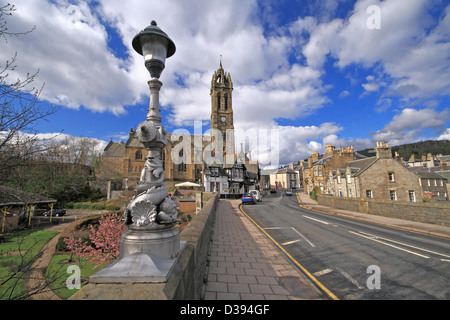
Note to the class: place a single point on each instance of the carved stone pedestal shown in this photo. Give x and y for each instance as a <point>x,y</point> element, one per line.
<point>151,245</point>
<point>162,242</point>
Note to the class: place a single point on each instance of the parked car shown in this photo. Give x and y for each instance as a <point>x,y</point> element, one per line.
<point>248,198</point>
<point>56,213</point>
<point>256,194</point>
<point>289,192</point>
<point>39,212</point>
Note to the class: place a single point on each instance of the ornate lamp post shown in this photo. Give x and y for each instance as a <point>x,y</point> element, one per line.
<point>151,244</point>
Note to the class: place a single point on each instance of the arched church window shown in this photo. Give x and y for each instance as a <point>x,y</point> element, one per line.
<point>138,155</point>
<point>226,102</point>
<point>218,101</point>
<point>182,165</point>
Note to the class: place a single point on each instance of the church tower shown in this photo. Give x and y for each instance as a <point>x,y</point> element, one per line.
<point>222,107</point>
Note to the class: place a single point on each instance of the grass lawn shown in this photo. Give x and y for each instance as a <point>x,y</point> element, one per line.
<point>57,271</point>
<point>16,252</point>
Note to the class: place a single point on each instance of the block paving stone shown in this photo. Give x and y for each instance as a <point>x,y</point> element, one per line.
<point>245,265</point>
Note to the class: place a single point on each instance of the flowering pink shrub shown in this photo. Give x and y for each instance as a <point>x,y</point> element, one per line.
<point>104,246</point>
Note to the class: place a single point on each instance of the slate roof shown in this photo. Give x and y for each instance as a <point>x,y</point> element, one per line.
<point>357,166</point>
<point>285,170</point>
<point>323,160</point>
<point>114,149</point>
<point>429,175</point>
<point>10,196</point>
<point>444,173</point>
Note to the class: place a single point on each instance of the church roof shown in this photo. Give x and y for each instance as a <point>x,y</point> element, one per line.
<point>114,149</point>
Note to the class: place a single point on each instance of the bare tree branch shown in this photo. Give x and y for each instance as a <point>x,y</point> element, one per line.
<point>20,106</point>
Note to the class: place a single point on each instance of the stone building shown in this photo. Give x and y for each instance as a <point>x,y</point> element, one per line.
<point>222,108</point>
<point>427,161</point>
<point>284,178</point>
<point>186,157</point>
<point>380,177</point>
<point>317,168</point>
<point>122,162</point>
<point>433,182</point>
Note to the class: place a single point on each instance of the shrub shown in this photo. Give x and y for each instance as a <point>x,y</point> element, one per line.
<point>103,243</point>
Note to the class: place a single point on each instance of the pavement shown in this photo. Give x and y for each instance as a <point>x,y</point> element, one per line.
<point>36,280</point>
<point>245,264</point>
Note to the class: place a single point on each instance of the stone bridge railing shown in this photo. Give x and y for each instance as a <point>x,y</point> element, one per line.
<point>186,278</point>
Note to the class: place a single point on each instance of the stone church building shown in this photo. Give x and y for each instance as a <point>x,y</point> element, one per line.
<point>122,162</point>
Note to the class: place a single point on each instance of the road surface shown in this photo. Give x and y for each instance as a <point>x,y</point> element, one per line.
<point>356,260</point>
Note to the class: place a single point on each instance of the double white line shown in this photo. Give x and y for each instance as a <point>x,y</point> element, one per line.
<point>384,241</point>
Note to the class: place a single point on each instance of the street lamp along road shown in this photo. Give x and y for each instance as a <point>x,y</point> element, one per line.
<point>151,245</point>
<point>155,46</point>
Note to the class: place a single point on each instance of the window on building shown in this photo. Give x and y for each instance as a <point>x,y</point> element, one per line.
<point>442,183</point>
<point>319,171</point>
<point>138,155</point>
<point>339,179</point>
<point>350,193</point>
<point>349,179</point>
<point>391,176</point>
<point>393,195</point>
<point>182,165</point>
<point>435,182</point>
<point>429,182</point>
<point>369,194</point>
<point>412,196</point>
<point>214,172</point>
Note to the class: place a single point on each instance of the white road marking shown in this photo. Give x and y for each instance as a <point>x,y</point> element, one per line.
<point>322,272</point>
<point>324,222</point>
<point>295,230</point>
<point>373,238</point>
<point>407,245</point>
<point>304,238</point>
<point>291,242</point>
<point>345,274</point>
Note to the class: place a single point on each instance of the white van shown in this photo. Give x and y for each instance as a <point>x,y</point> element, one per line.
<point>256,194</point>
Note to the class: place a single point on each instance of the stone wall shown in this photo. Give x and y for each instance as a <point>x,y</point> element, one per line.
<point>186,280</point>
<point>187,276</point>
<point>421,212</point>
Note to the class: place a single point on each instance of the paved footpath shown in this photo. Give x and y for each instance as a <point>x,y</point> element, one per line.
<point>245,265</point>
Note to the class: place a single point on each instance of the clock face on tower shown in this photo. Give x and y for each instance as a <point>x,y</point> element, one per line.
<point>223,119</point>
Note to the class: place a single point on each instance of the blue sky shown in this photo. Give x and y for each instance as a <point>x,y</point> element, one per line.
<point>313,70</point>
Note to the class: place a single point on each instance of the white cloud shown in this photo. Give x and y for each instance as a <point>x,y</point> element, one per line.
<point>444,135</point>
<point>293,142</point>
<point>410,124</point>
<point>70,49</point>
<point>411,56</point>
